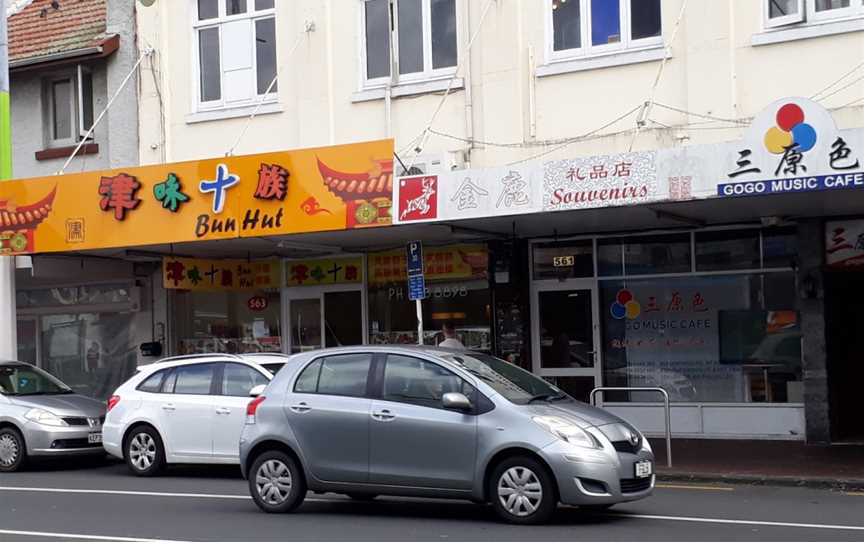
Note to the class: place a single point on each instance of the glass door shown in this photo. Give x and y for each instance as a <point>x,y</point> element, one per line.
<point>324,316</point>
<point>28,343</point>
<point>566,349</point>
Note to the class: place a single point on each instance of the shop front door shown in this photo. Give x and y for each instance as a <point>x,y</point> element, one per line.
<point>321,317</point>
<point>566,345</point>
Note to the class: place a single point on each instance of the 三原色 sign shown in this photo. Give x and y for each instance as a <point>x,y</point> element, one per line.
<point>321,189</point>
<point>793,146</point>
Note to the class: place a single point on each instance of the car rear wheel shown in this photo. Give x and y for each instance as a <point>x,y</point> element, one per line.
<point>522,491</point>
<point>145,454</point>
<point>276,483</point>
<point>13,452</point>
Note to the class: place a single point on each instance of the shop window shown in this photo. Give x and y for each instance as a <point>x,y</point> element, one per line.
<point>235,52</point>
<point>92,353</point>
<point>718,338</point>
<point>425,39</point>
<point>785,12</point>
<point>457,291</point>
<point>68,103</point>
<point>647,255</point>
<point>779,247</point>
<point>726,250</point>
<point>206,322</point>
<point>585,27</point>
<point>563,260</point>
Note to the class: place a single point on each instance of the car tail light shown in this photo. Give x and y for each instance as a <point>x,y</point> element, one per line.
<point>252,409</point>
<point>112,402</point>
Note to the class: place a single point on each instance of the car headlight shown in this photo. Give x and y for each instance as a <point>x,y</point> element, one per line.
<point>645,444</point>
<point>567,431</point>
<point>45,418</point>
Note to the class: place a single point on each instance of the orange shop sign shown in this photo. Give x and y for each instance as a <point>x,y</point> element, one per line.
<point>214,275</point>
<point>308,190</point>
<point>439,263</point>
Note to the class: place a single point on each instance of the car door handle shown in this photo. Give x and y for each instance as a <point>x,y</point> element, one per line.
<point>383,416</point>
<point>223,410</point>
<point>300,408</point>
<point>169,407</point>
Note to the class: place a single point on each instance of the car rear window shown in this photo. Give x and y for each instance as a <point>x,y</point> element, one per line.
<point>153,383</point>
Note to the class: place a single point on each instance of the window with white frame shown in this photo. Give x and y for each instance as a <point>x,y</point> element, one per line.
<point>423,33</point>
<point>235,52</point>
<point>586,27</point>
<point>786,12</point>
<point>68,104</point>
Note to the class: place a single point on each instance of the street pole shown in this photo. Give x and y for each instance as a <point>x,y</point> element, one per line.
<point>419,321</point>
<point>8,316</point>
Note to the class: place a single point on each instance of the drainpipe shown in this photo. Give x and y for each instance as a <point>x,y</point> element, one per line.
<point>394,75</point>
<point>8,311</point>
<point>469,103</point>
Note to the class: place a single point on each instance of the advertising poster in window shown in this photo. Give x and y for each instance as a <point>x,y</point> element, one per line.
<point>844,243</point>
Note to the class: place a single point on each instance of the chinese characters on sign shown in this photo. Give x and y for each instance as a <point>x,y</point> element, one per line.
<point>170,193</point>
<point>600,181</point>
<point>195,274</point>
<point>219,187</point>
<point>272,182</point>
<point>844,243</point>
<point>458,262</point>
<point>118,194</point>
<point>418,198</point>
<point>324,271</point>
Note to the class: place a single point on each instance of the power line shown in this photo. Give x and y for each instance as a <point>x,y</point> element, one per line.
<point>841,89</point>
<point>842,77</point>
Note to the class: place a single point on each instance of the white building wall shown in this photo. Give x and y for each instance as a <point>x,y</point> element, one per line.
<point>714,70</point>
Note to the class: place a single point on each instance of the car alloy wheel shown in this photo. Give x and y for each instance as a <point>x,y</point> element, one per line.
<point>10,450</point>
<point>273,481</point>
<point>520,491</point>
<point>142,451</point>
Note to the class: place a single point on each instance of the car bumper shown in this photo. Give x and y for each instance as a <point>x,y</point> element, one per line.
<point>112,439</point>
<point>54,441</point>
<point>597,477</point>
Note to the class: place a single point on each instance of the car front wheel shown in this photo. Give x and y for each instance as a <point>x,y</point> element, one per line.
<point>145,454</point>
<point>276,483</point>
<point>13,452</point>
<point>522,491</point>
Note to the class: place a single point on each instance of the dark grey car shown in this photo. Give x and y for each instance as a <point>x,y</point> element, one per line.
<point>41,416</point>
<point>368,421</point>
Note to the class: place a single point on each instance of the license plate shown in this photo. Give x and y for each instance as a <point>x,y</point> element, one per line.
<point>94,438</point>
<point>644,469</point>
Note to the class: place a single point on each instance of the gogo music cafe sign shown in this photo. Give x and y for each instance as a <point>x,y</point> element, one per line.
<point>794,146</point>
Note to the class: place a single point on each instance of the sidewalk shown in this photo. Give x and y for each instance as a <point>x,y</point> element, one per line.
<point>762,462</point>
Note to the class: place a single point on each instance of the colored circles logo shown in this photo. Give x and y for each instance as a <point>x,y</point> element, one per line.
<point>791,131</point>
<point>625,306</point>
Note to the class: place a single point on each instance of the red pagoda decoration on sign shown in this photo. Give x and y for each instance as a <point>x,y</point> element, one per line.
<point>18,224</point>
<point>367,195</point>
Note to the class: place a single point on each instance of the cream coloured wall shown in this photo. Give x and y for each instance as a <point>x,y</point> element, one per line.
<point>714,69</point>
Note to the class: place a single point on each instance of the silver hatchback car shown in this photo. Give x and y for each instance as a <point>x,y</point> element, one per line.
<point>41,416</point>
<point>431,422</point>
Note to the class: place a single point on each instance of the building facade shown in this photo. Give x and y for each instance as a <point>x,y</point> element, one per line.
<point>80,318</point>
<point>595,187</point>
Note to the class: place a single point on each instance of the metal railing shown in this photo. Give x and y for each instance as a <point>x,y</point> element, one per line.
<point>666,408</point>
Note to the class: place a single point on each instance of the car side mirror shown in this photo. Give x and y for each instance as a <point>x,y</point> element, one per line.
<point>455,401</point>
<point>257,390</point>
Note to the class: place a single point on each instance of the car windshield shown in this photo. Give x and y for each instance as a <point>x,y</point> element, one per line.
<point>22,379</point>
<point>514,384</point>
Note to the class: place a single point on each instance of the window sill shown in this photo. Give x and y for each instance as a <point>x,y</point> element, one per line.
<point>610,60</point>
<point>806,31</point>
<point>233,112</point>
<point>408,89</point>
<point>66,152</point>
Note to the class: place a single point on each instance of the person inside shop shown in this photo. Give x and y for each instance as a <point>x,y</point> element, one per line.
<point>451,338</point>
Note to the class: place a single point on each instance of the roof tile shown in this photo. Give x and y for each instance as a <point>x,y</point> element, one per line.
<point>40,29</point>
